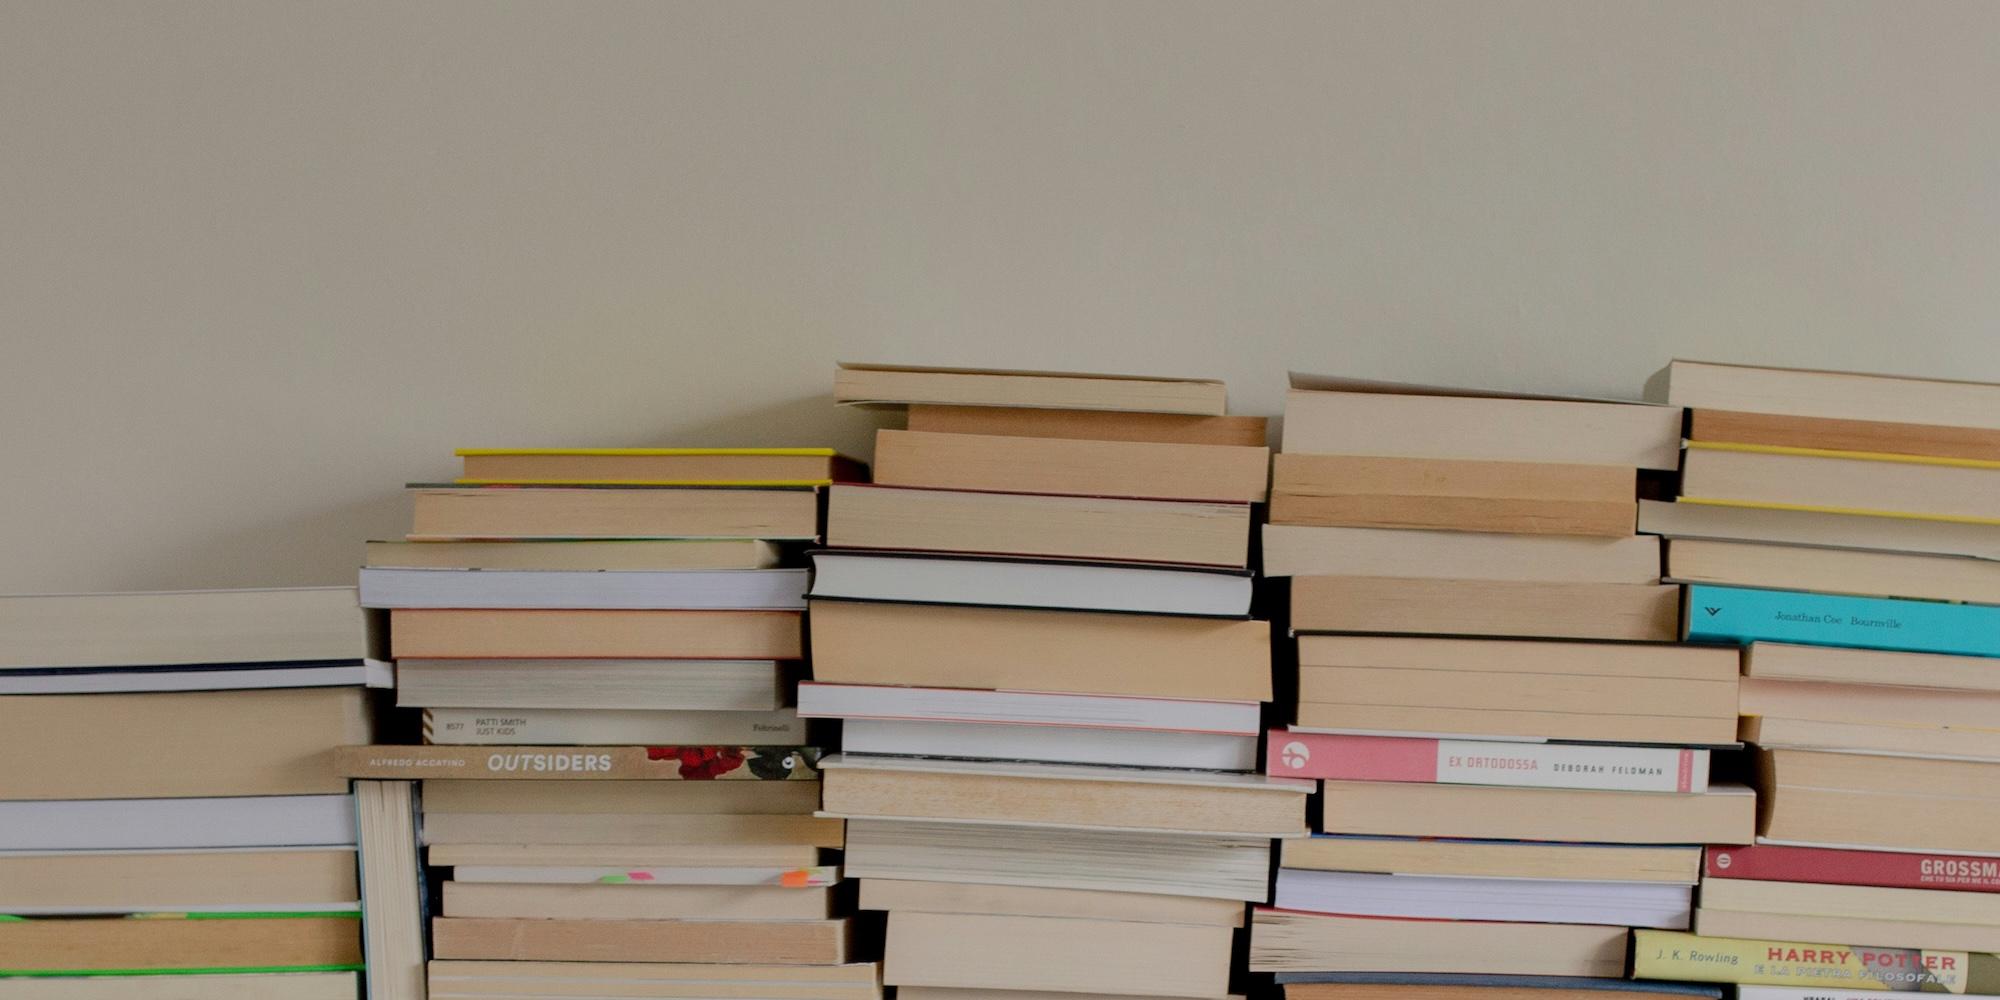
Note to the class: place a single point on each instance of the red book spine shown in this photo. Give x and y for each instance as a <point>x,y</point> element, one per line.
<point>1890,869</point>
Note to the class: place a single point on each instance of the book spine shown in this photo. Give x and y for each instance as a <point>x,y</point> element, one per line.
<point>1838,867</point>
<point>674,763</point>
<point>1674,955</point>
<point>1740,615</point>
<point>1343,757</point>
<point>563,727</point>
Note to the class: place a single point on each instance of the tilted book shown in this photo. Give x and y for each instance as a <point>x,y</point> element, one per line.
<point>1740,615</point>
<point>1347,757</point>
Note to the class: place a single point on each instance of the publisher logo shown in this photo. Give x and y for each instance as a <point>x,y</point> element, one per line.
<point>1722,861</point>
<point>1712,612</point>
<point>1295,755</point>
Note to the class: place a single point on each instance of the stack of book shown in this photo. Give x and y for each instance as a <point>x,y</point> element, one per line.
<point>1841,527</point>
<point>615,790</point>
<point>171,822</point>
<point>1512,753</point>
<point>1035,627</point>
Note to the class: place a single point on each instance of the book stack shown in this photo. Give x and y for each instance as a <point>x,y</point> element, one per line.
<point>615,790</point>
<point>171,823</point>
<point>1035,629</point>
<point>1841,527</point>
<point>1512,753</point>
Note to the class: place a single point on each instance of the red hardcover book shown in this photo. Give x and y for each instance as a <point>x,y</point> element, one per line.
<point>1891,869</point>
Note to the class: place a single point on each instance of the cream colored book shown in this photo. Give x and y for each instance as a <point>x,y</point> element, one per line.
<point>1163,531</point>
<point>685,798</point>
<point>606,554</point>
<point>1304,550</point>
<point>1803,392</point>
<point>706,685</point>
<point>879,384</point>
<point>1328,416</point>
<point>980,951</point>
<point>1165,864</point>
<point>1140,469</point>
<point>181,627</point>
<point>1837,571</point>
<point>1929,935</point>
<point>634,829</point>
<point>1089,425</point>
<point>1725,814</point>
<point>1283,941</point>
<point>664,854</point>
<point>777,942</point>
<point>1626,612</point>
<point>630,902</point>
<point>392,924</point>
<point>1495,859</point>
<point>1959,490</point>
<point>476,980</point>
<point>1367,491</point>
<point>1022,901</point>
<point>221,986</point>
<point>80,882</point>
<point>1832,664</point>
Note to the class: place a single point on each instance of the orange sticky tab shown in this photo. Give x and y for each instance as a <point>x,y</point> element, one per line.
<point>797,878</point>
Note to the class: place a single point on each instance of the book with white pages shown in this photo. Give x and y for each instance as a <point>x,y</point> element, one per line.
<point>1431,897</point>
<point>611,727</point>
<point>681,590</point>
<point>1051,744</point>
<point>989,581</point>
<point>206,677</point>
<point>153,824</point>
<point>1036,708</point>
<point>814,876</point>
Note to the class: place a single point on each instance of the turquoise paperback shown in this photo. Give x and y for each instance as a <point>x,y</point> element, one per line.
<point>1742,615</point>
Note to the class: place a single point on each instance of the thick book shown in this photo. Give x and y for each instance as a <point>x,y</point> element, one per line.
<point>1195,533</point>
<point>693,796</point>
<point>1725,814</point>
<point>1802,911</point>
<point>880,384</point>
<point>1137,469</point>
<point>1068,744</point>
<point>619,901</point>
<point>777,942</point>
<point>1340,416</point>
<point>681,589</point>
<point>1675,955</point>
<point>1803,392</point>
<point>1893,869</point>
<point>215,743</point>
<point>1943,489</point>
<point>1071,796</point>
<point>1306,550</point>
<point>268,942</point>
<point>1836,665</point>
<point>1791,567</point>
<point>220,881</point>
<point>1835,434</point>
<point>182,628</point>
<point>852,981</point>
<point>1944,742</point>
<point>1067,651</point>
<point>1539,901</point>
<point>1498,859</point>
<point>610,727</point>
<point>1467,762</point>
<point>1089,425</point>
<point>525,634</point>
<point>1869,800</point>
<point>1883,718</point>
<point>629,684</point>
<point>1158,864</point>
<point>187,986</point>
<point>1286,941</point>
<point>178,823</point>
<point>1518,690</point>
<point>986,951</point>
<point>579,763</point>
<point>1693,518</point>
<point>1361,491</point>
<point>1042,583</point>
<point>203,677</point>
<point>1625,612</point>
<point>657,466</point>
<point>633,554</point>
<point>1022,901</point>
<point>392,889</point>
<point>1740,615</point>
<point>1036,708</point>
<point>472,513</point>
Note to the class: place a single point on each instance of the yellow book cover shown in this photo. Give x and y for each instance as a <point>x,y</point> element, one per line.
<point>1672,955</point>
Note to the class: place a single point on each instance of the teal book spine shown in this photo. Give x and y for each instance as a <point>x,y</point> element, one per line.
<point>1742,615</point>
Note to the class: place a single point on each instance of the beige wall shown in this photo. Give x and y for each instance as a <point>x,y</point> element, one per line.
<point>260,263</point>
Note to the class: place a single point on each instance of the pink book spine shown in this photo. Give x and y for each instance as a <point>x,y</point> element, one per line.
<point>1351,757</point>
<point>1890,869</point>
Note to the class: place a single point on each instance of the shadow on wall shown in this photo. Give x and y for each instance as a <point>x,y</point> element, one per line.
<point>325,546</point>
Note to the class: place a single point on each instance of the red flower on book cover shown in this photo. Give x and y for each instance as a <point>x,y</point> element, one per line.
<point>700,763</point>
